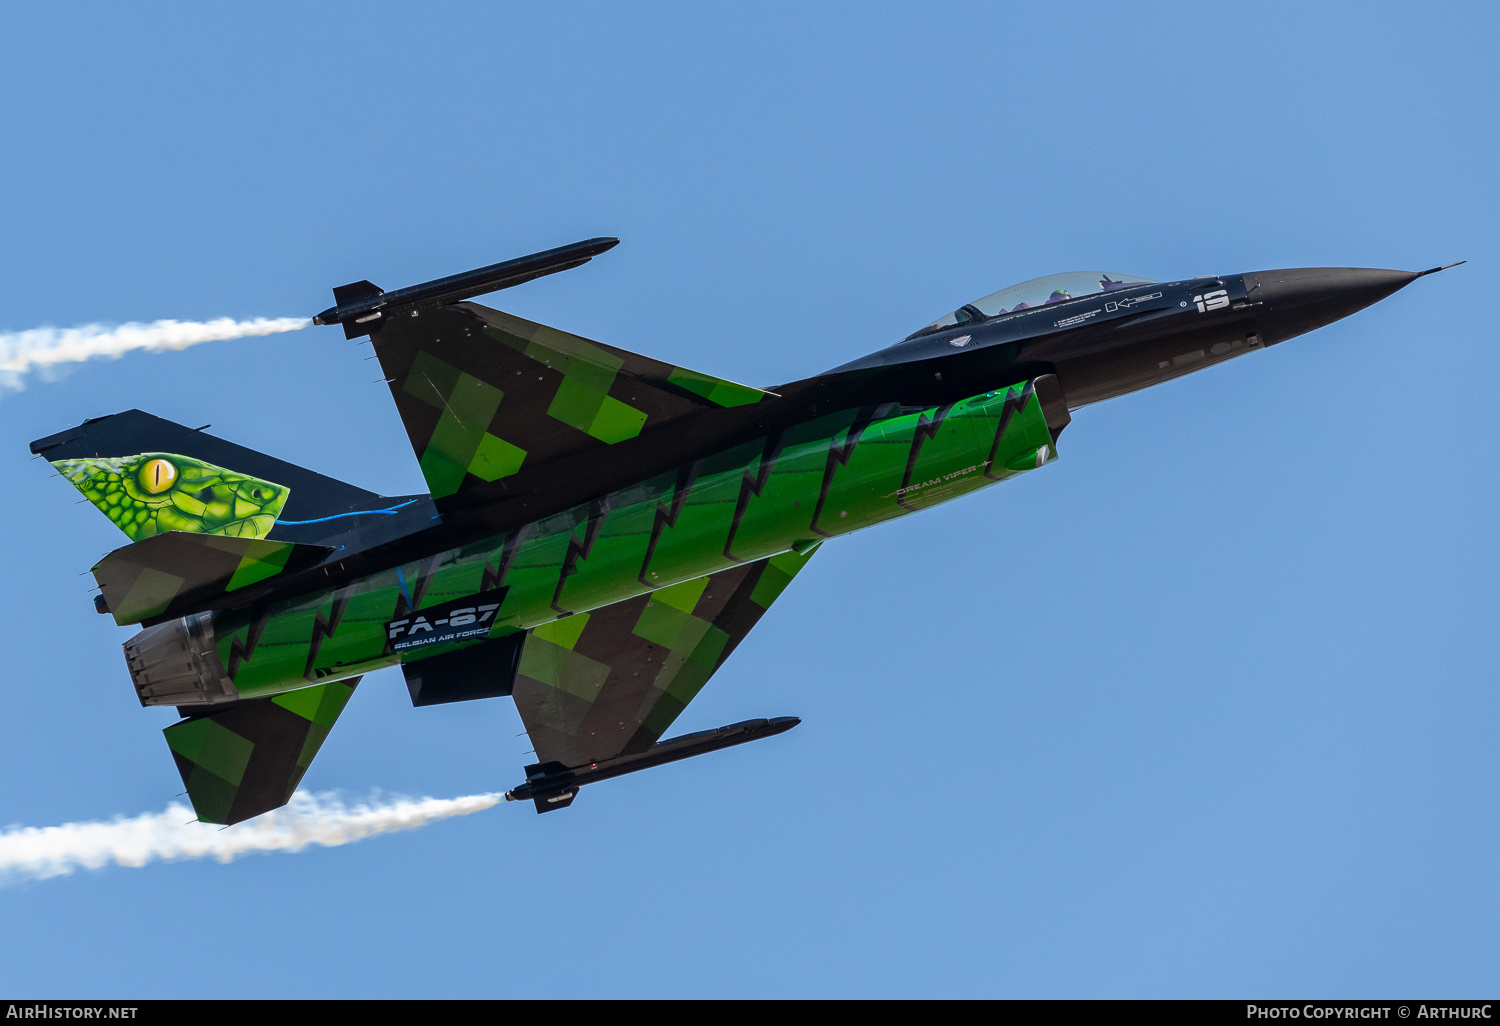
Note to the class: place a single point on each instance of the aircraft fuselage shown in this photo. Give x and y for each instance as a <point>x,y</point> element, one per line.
<point>917,423</point>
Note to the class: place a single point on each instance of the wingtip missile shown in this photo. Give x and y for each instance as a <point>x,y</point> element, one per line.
<point>553,786</point>
<point>360,306</point>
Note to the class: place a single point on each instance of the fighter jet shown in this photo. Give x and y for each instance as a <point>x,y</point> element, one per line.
<point>601,529</point>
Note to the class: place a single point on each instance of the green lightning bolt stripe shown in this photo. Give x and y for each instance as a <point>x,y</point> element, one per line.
<point>824,478</point>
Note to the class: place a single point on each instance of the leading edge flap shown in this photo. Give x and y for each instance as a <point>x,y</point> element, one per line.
<point>485,395</point>
<point>176,573</point>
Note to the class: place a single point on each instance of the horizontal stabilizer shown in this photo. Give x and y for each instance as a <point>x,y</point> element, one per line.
<point>176,573</point>
<point>248,758</point>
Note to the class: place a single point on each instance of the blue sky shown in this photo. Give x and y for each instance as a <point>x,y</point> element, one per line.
<point>1206,708</point>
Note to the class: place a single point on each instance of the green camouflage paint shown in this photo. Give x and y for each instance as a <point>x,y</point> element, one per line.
<point>485,395</point>
<point>247,759</point>
<point>783,493</point>
<point>157,492</point>
<point>596,685</point>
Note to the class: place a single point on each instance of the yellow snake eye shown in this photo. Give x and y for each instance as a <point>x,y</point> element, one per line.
<point>157,476</point>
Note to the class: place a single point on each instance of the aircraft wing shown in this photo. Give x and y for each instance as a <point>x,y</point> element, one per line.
<point>485,395</point>
<point>595,686</point>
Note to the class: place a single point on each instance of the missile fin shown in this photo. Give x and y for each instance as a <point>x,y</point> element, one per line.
<point>355,291</point>
<point>556,801</point>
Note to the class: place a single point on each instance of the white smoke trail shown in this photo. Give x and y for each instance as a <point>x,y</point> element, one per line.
<point>44,349</point>
<point>36,853</point>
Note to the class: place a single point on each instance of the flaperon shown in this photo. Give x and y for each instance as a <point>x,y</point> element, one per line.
<point>601,529</point>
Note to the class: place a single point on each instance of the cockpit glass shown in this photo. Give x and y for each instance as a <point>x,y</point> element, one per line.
<point>1054,288</point>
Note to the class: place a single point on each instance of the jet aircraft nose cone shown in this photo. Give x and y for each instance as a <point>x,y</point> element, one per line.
<point>1295,300</point>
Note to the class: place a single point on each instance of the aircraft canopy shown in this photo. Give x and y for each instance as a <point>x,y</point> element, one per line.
<point>1053,288</point>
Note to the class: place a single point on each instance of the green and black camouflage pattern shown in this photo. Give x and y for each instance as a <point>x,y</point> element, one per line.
<point>779,493</point>
<point>174,574</point>
<point>593,686</point>
<point>630,519</point>
<point>630,602</point>
<point>247,759</point>
<point>484,394</point>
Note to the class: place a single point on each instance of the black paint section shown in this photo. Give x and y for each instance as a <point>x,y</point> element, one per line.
<point>485,670</point>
